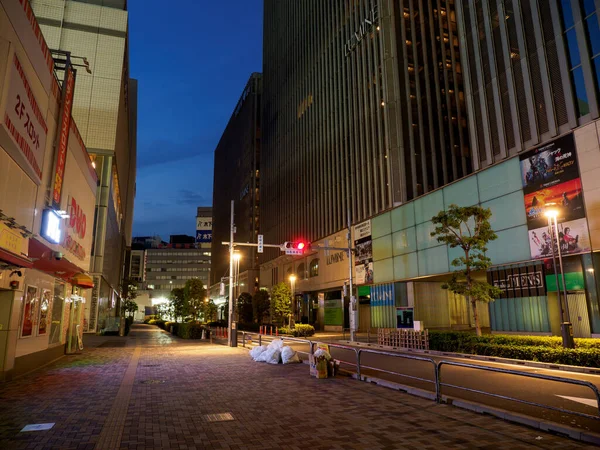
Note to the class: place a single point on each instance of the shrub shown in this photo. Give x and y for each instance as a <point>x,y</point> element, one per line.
<point>158,322</point>
<point>535,348</point>
<point>302,330</point>
<point>192,330</point>
<point>299,330</point>
<point>218,323</point>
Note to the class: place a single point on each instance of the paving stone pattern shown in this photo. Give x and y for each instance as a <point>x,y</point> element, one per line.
<point>173,390</point>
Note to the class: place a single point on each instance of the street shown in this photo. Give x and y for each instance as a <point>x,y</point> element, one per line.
<point>154,391</point>
<point>557,394</point>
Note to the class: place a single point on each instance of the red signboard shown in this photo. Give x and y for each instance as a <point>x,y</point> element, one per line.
<point>63,136</point>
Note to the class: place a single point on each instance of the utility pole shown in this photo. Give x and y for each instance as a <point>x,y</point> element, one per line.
<point>230,323</point>
<point>353,307</point>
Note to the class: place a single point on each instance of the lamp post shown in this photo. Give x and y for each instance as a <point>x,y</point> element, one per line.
<point>236,257</point>
<point>566,327</point>
<point>293,283</point>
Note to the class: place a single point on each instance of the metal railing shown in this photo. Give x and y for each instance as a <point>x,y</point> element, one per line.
<point>437,369</point>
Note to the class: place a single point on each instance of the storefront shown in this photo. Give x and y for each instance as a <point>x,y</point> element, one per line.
<point>45,239</point>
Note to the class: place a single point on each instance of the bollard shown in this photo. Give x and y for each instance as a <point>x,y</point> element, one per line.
<point>276,331</point>
<point>260,339</point>
<point>243,339</point>
<point>271,330</point>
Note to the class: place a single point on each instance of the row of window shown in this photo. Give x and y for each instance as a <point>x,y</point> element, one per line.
<point>175,277</point>
<point>592,36</point>
<point>177,269</point>
<point>179,261</point>
<point>177,253</point>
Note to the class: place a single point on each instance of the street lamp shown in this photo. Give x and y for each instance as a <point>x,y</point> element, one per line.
<point>566,327</point>
<point>236,257</point>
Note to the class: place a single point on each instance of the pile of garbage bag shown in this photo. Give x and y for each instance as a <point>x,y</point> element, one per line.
<point>275,353</point>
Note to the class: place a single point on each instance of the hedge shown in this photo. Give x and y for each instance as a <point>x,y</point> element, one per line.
<point>299,330</point>
<point>535,348</point>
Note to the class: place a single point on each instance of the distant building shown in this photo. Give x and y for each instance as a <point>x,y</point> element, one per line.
<point>237,178</point>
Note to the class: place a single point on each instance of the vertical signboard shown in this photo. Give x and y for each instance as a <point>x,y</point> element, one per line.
<point>550,178</point>
<point>363,261</point>
<point>203,230</point>
<point>24,124</point>
<point>62,141</point>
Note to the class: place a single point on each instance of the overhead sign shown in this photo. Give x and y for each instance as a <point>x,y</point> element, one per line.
<point>260,243</point>
<point>63,136</point>
<point>203,230</point>
<point>25,124</point>
<point>77,226</point>
<point>51,226</point>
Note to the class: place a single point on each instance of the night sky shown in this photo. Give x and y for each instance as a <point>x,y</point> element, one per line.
<point>192,60</point>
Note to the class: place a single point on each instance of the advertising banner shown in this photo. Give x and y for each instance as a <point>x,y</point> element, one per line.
<point>519,280</point>
<point>63,137</point>
<point>550,179</point>
<point>25,124</point>
<point>203,230</point>
<point>363,261</point>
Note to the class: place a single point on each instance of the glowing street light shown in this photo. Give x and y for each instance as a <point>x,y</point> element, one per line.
<point>566,326</point>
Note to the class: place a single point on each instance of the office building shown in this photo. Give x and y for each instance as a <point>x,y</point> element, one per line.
<point>237,177</point>
<point>363,110</point>
<point>528,115</point>
<point>105,108</point>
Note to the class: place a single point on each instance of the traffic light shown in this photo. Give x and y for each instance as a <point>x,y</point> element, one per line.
<point>295,247</point>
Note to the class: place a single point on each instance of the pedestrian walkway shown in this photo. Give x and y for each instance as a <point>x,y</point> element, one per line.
<point>154,391</point>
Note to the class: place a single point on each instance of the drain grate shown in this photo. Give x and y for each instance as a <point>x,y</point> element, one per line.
<point>223,417</point>
<point>152,381</point>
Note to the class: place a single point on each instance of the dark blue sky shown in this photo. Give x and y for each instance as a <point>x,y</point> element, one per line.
<point>192,60</point>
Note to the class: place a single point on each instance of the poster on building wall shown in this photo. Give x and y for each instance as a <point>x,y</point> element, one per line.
<point>550,179</point>
<point>363,258</point>
<point>203,230</point>
<point>519,280</point>
<point>23,124</point>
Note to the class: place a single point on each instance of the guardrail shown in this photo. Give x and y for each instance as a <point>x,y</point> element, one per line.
<point>437,370</point>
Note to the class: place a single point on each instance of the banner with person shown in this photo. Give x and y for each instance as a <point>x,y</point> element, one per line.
<point>550,179</point>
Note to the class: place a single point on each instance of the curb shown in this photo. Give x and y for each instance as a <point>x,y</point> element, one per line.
<point>521,419</point>
<point>517,362</point>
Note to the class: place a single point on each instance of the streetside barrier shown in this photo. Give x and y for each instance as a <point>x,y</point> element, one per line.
<point>439,385</point>
<point>437,366</point>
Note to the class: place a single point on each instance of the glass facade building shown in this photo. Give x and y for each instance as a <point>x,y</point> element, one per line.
<point>363,110</point>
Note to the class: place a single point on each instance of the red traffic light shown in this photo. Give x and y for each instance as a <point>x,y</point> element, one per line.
<point>296,245</point>
<point>300,245</point>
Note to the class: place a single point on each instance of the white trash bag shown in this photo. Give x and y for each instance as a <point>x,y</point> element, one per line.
<point>273,356</point>
<point>277,343</point>
<point>256,351</point>
<point>288,355</point>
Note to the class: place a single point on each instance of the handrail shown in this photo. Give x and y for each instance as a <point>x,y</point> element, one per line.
<point>437,365</point>
<point>439,385</point>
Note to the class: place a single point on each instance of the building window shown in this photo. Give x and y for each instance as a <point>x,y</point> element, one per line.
<point>300,271</point>
<point>314,268</point>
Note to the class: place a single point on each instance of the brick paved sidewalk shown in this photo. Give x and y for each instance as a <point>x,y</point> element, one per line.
<point>157,392</point>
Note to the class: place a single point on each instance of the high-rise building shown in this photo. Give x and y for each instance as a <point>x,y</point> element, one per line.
<point>363,110</point>
<point>532,71</point>
<point>237,177</point>
<point>105,109</point>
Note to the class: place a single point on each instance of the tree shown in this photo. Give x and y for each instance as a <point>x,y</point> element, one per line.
<point>281,302</point>
<point>244,307</point>
<point>195,294</point>
<point>178,304</point>
<point>209,310</point>
<point>128,295</point>
<point>261,305</point>
<point>468,228</point>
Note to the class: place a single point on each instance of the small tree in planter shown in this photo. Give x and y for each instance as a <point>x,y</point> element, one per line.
<point>468,228</point>
<point>194,294</point>
<point>281,303</point>
<point>178,303</point>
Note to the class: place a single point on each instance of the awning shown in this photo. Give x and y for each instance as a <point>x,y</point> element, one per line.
<point>44,261</point>
<point>82,280</point>
<point>15,260</point>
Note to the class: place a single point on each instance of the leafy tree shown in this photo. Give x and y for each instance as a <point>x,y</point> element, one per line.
<point>281,303</point>
<point>195,294</point>
<point>128,295</point>
<point>244,307</point>
<point>468,228</point>
<point>209,310</point>
<point>261,305</point>
<point>177,302</point>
